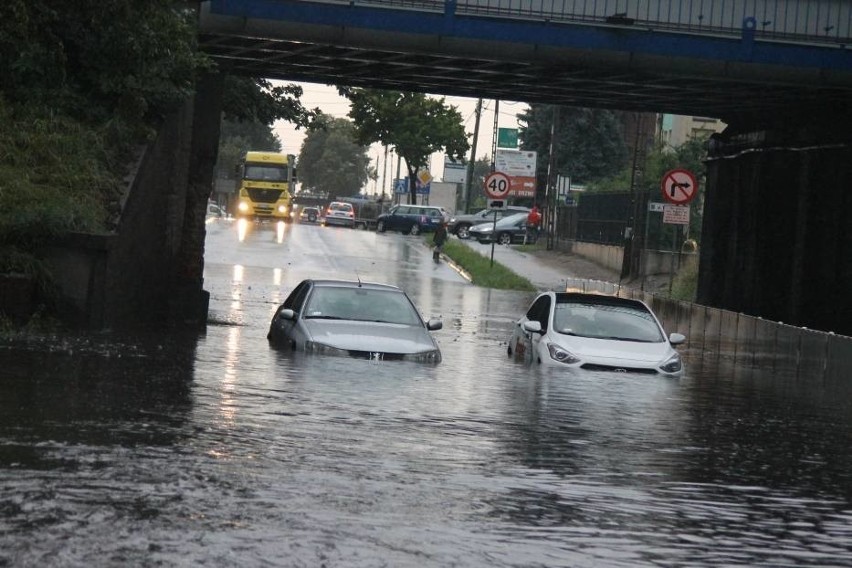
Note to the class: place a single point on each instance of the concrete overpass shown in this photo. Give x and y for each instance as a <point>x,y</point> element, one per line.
<point>729,59</point>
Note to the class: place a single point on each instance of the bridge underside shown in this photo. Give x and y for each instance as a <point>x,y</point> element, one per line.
<point>576,65</point>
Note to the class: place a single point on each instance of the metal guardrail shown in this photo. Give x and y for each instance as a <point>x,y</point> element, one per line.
<point>795,21</point>
<point>742,340</point>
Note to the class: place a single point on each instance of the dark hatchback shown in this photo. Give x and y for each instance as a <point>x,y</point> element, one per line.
<point>412,219</point>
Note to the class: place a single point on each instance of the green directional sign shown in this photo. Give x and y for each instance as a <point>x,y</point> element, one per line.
<point>507,137</point>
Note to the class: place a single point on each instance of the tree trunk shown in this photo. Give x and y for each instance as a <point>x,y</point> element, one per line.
<point>412,184</point>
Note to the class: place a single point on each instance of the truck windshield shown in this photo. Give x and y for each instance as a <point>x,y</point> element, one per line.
<point>266,173</point>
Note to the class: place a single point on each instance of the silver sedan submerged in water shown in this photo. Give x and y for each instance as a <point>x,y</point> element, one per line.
<point>354,319</point>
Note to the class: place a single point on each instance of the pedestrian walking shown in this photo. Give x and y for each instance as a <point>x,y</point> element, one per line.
<point>438,240</point>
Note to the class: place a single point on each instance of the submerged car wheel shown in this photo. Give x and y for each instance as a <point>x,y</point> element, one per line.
<point>463,231</point>
<point>504,238</point>
<point>380,226</point>
<point>415,229</point>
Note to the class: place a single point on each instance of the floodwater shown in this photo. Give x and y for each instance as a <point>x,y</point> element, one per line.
<point>215,450</point>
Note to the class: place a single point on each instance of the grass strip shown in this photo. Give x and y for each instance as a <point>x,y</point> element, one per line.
<point>481,271</point>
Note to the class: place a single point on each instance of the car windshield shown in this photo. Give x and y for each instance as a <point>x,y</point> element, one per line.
<point>627,323</point>
<point>361,304</point>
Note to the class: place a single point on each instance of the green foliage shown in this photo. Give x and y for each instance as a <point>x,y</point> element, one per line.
<point>135,59</point>
<point>478,199</point>
<point>238,137</point>
<point>481,270</point>
<point>589,144</point>
<point>56,175</point>
<point>258,101</point>
<point>685,283</point>
<point>331,160</point>
<point>414,124</point>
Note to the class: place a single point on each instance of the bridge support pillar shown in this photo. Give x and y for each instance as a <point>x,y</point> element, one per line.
<point>777,232</point>
<point>190,301</point>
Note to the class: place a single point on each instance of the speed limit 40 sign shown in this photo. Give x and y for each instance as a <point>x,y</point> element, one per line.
<point>497,185</point>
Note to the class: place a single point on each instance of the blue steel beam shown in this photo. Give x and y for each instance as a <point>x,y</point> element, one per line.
<point>431,46</point>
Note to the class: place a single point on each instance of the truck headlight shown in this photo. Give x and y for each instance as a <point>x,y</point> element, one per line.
<point>282,209</point>
<point>243,206</point>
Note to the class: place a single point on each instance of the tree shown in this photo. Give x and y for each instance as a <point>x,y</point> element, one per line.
<point>414,124</point>
<point>590,142</point>
<point>236,138</point>
<point>259,101</point>
<point>481,168</point>
<point>97,60</point>
<point>331,160</point>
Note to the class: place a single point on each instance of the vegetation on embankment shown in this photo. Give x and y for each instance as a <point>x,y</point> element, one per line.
<point>480,269</point>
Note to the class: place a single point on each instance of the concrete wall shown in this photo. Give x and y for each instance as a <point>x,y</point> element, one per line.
<point>610,256</point>
<point>777,230</point>
<point>124,279</point>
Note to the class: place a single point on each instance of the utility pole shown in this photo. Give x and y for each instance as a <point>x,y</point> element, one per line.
<point>494,139</point>
<point>470,163</point>
<point>384,173</point>
<point>550,189</point>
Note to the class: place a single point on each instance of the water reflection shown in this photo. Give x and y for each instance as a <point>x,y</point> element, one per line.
<point>217,450</point>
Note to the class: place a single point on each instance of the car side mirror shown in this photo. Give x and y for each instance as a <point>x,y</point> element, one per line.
<point>287,314</point>
<point>677,338</point>
<point>434,324</point>
<point>532,326</point>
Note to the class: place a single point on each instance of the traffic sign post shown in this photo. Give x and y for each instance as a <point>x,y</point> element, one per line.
<point>497,185</point>
<point>679,186</point>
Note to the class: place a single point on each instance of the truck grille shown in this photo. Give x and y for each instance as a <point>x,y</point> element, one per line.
<point>264,195</point>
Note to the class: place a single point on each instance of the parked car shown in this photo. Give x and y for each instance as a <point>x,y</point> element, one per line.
<point>354,319</point>
<point>214,212</point>
<point>340,213</point>
<point>508,230</point>
<point>595,332</point>
<point>412,219</point>
<point>460,224</point>
<point>309,214</point>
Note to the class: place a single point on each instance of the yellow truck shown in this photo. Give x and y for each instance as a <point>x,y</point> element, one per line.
<point>264,183</point>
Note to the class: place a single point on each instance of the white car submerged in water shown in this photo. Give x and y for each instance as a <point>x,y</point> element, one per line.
<point>595,332</point>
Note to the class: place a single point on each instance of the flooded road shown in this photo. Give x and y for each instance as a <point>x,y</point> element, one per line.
<point>174,450</point>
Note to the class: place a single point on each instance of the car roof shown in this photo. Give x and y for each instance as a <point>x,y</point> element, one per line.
<point>510,219</point>
<point>332,283</point>
<point>421,206</point>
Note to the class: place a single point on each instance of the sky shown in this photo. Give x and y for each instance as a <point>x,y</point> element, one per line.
<point>326,98</point>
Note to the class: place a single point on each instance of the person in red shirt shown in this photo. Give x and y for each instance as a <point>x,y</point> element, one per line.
<point>533,224</point>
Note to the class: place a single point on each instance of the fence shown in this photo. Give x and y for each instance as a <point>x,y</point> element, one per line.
<point>798,21</point>
<point>743,340</point>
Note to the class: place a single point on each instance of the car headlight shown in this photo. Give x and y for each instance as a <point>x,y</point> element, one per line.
<point>673,364</point>
<point>323,349</point>
<point>561,355</point>
<point>433,356</point>
<point>282,208</point>
<point>485,230</point>
<point>243,206</point>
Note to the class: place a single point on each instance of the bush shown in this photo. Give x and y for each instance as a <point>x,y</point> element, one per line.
<point>685,283</point>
